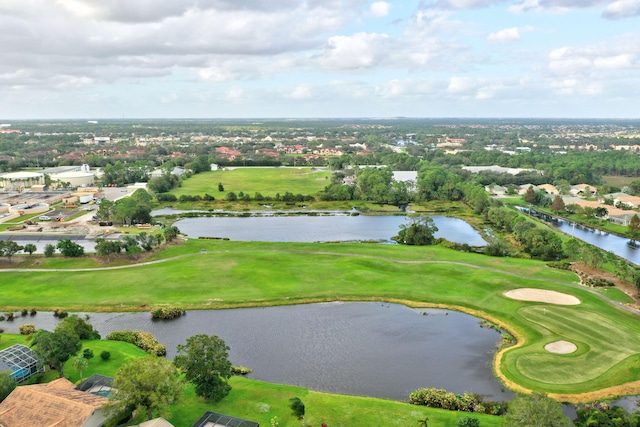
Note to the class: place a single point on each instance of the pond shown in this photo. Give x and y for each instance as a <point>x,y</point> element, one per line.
<point>369,349</point>
<point>306,228</point>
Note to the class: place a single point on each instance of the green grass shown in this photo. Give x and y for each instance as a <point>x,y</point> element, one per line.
<point>236,274</point>
<point>259,401</point>
<point>268,181</point>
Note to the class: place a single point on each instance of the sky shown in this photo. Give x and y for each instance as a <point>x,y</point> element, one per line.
<point>319,58</point>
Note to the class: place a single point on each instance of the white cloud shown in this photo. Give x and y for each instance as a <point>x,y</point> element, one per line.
<point>506,35</point>
<point>300,92</point>
<point>462,4</point>
<point>361,50</point>
<point>622,9</point>
<point>380,9</point>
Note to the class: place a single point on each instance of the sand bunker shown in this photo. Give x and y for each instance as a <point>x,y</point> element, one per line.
<point>541,295</point>
<point>561,347</point>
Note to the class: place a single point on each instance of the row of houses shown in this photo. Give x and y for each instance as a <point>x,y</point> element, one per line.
<point>621,207</point>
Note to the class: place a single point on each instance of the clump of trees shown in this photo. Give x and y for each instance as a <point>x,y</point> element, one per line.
<point>167,313</point>
<point>419,231</point>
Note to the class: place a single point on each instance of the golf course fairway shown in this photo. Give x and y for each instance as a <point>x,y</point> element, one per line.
<point>224,274</point>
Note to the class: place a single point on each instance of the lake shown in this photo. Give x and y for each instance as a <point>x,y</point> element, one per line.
<point>369,349</point>
<point>305,228</point>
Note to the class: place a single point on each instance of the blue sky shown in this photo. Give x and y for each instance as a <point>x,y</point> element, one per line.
<point>319,58</point>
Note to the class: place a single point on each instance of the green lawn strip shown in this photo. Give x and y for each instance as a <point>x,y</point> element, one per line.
<point>121,352</point>
<point>616,295</point>
<point>267,181</point>
<point>259,401</point>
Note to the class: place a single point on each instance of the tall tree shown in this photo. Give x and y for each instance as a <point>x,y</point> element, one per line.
<point>634,226</point>
<point>9,248</point>
<point>149,384</point>
<point>30,248</point>
<point>530,195</point>
<point>56,347</point>
<point>558,204</point>
<point>205,362</point>
<point>536,410</point>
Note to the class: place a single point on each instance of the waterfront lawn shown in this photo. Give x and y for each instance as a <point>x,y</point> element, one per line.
<point>236,274</point>
<point>259,401</point>
<point>267,181</point>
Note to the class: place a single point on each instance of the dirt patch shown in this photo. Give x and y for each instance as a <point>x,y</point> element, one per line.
<point>561,347</point>
<point>542,295</point>
<point>584,271</point>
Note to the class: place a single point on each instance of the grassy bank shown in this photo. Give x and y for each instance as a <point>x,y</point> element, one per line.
<point>215,274</point>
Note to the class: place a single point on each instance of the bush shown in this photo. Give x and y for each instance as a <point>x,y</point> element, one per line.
<point>87,353</point>
<point>33,312</point>
<point>240,370</point>
<point>27,329</point>
<point>49,250</point>
<point>467,402</point>
<point>59,313</point>
<point>143,340</point>
<point>9,315</point>
<point>24,312</point>
<point>167,313</point>
<point>468,422</point>
<point>297,407</point>
<point>105,355</point>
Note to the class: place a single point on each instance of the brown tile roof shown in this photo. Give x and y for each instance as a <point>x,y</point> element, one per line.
<point>56,404</point>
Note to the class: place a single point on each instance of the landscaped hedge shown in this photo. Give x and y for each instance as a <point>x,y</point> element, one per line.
<point>143,340</point>
<point>467,402</point>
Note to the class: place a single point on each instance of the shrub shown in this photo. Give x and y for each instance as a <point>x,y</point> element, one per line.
<point>468,402</point>
<point>27,329</point>
<point>167,313</point>
<point>49,250</point>
<point>87,353</point>
<point>24,312</point>
<point>297,407</point>
<point>9,315</point>
<point>33,312</point>
<point>240,370</point>
<point>468,422</point>
<point>2,318</point>
<point>105,355</point>
<point>59,313</point>
<point>143,340</point>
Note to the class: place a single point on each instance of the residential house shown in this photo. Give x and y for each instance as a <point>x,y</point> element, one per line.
<point>583,190</point>
<point>632,202</point>
<point>549,189</point>
<point>496,190</point>
<point>57,403</point>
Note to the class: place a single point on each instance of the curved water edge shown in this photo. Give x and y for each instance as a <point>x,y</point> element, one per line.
<point>356,348</point>
<point>333,228</point>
